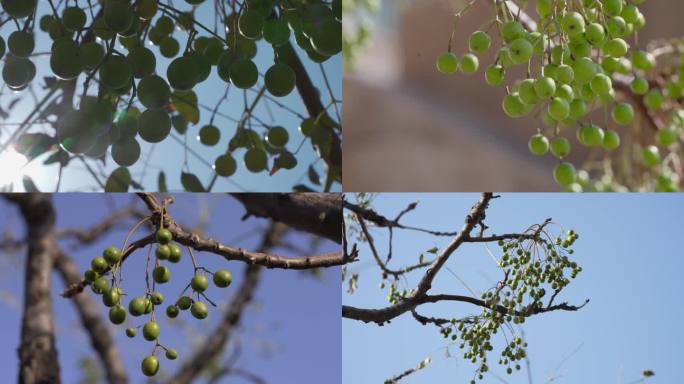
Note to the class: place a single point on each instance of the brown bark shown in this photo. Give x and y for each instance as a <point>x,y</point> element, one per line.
<point>37,352</point>
<point>316,213</point>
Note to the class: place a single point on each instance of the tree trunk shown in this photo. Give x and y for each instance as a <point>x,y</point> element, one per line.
<point>37,352</point>
<point>98,331</point>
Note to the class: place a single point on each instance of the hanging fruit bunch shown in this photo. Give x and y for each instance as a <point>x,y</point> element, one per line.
<point>105,278</point>
<point>587,84</point>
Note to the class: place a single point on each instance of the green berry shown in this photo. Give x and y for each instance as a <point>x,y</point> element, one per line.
<point>112,255</point>
<point>175,253</point>
<point>150,365</point>
<point>117,314</point>
<point>163,236</point>
<point>172,311</point>
<point>161,274</point>
<point>99,264</point>
<point>447,63</point>
<point>199,310</point>
<point>163,251</point>
<point>199,283</point>
<point>171,354</point>
<point>222,278</point>
<point>151,330</point>
<point>131,332</point>
<point>184,302</point>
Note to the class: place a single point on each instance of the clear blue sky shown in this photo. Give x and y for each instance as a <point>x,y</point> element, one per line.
<point>169,155</point>
<point>294,316</point>
<point>629,247</point>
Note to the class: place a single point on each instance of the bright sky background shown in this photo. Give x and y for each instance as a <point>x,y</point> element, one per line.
<point>294,318</point>
<point>169,155</point>
<point>629,247</point>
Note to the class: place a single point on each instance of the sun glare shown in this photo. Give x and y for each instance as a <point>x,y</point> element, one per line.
<point>14,166</point>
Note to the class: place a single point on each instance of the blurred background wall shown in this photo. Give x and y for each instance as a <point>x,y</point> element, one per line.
<point>410,128</point>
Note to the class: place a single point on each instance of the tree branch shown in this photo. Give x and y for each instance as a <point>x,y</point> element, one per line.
<point>316,213</point>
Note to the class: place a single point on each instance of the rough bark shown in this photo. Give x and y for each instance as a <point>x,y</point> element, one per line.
<point>97,329</point>
<point>38,362</point>
<point>316,213</point>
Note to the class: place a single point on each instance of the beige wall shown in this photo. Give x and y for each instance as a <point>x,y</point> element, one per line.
<point>410,128</point>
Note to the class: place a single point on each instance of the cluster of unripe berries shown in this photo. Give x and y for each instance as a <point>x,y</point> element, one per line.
<point>96,126</point>
<point>103,279</point>
<point>531,267</point>
<point>576,50</point>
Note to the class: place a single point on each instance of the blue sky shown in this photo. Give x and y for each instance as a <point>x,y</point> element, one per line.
<point>629,247</point>
<point>169,155</point>
<point>294,318</point>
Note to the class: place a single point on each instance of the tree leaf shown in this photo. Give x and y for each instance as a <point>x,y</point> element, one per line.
<point>161,182</point>
<point>191,183</point>
<point>33,145</point>
<point>185,103</point>
<point>29,185</point>
<point>118,181</point>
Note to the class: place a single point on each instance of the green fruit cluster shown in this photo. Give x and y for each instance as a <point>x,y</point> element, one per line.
<point>105,281</point>
<point>573,58</point>
<point>535,268</point>
<point>137,100</point>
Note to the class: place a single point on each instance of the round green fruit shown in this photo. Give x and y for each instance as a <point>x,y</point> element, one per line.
<point>447,63</point>
<point>131,332</point>
<point>117,314</point>
<point>21,43</point>
<point>183,73</point>
<point>565,174</point>
<point>157,298</point>
<point>99,264</point>
<point>161,274</point>
<point>199,310</point>
<point>163,236</point>
<point>19,8</point>
<point>116,72</point>
<point>222,278</point>
<point>153,92</point>
<point>163,251</point>
<point>244,73</point>
<point>137,306</point>
<point>539,144</point>
<point>171,354</point>
<point>278,137</point>
<point>184,302</point>
<point>126,152</point>
<point>112,254</point>
<point>280,80</point>
<point>209,135</point>
<point>256,160</point>
<point>175,253</point>
<point>199,283</point>
<point>154,125</point>
<point>150,365</point>
<point>172,311</point>
<point>151,330</point>
<point>225,165</point>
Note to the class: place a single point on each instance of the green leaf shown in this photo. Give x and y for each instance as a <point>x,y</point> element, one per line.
<point>118,181</point>
<point>161,182</point>
<point>186,104</point>
<point>29,185</point>
<point>33,145</point>
<point>191,183</point>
